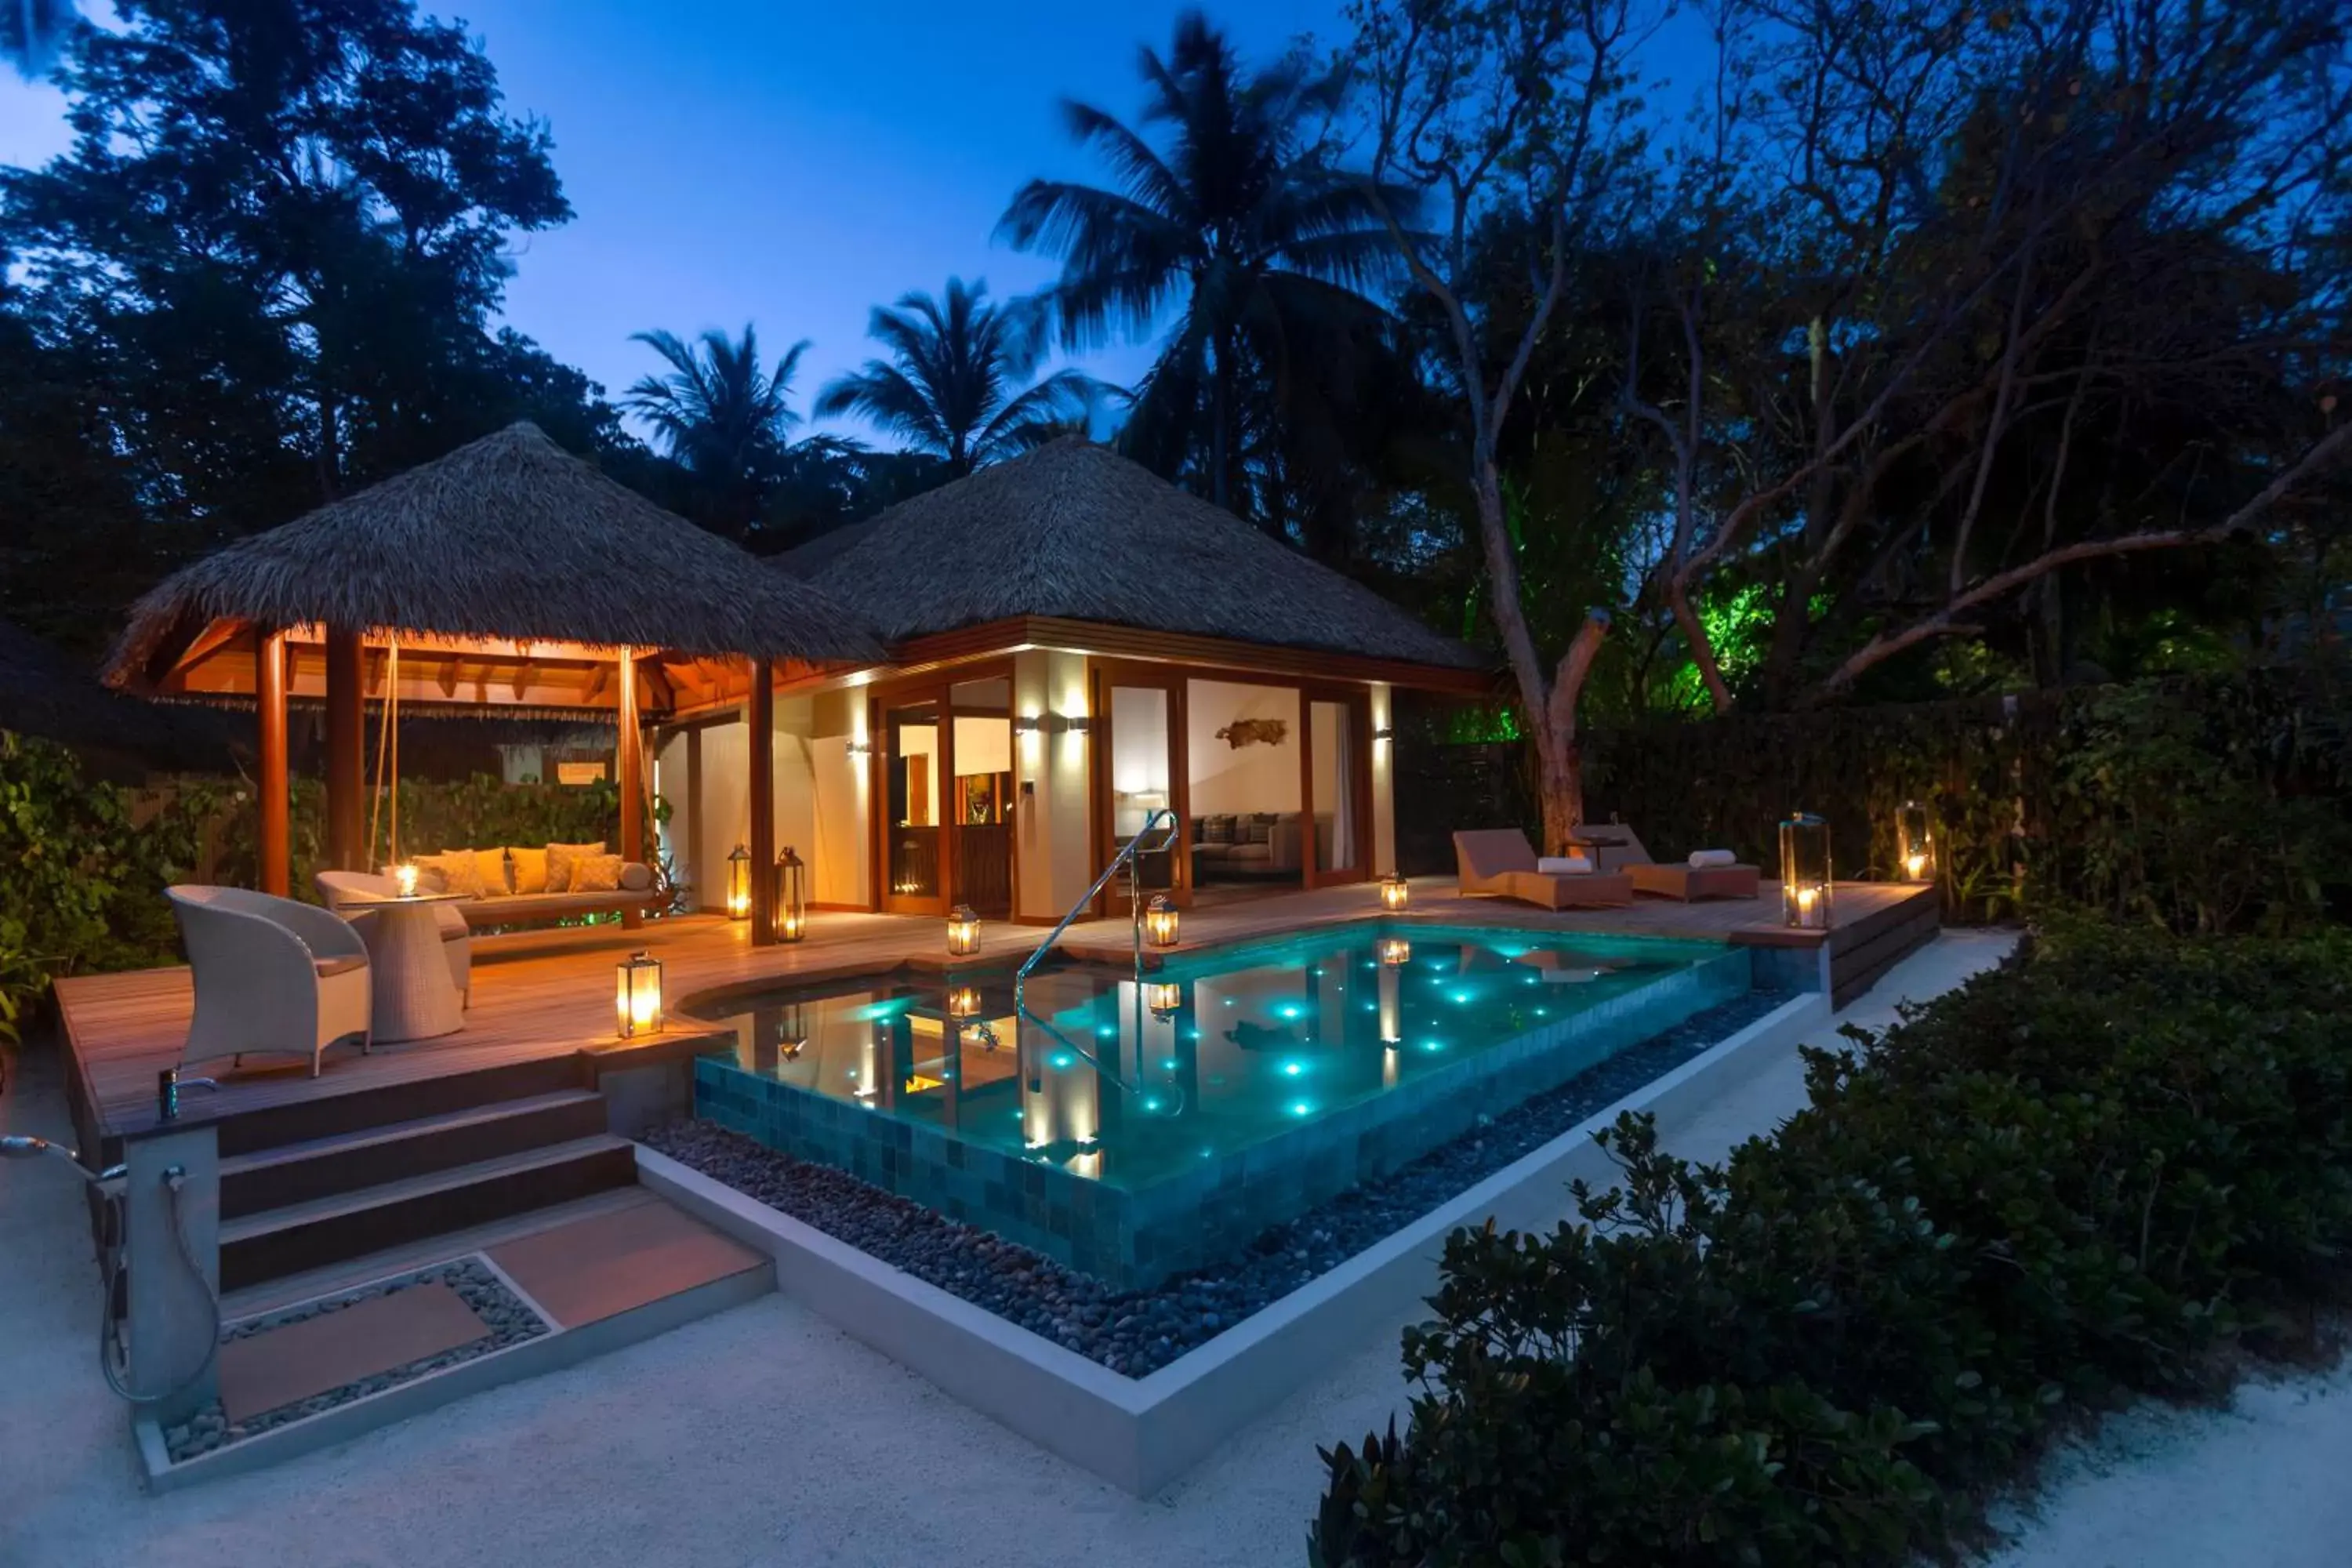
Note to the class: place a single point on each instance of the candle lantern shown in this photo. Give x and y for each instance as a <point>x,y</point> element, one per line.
<point>637,997</point>
<point>1395,894</point>
<point>1160,920</point>
<point>963,932</point>
<point>790,913</point>
<point>1915,843</point>
<point>1163,999</point>
<point>1395,951</point>
<point>964,1002</point>
<point>739,884</point>
<point>1805,872</point>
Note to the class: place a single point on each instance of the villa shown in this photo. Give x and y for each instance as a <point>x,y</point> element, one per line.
<point>1029,856</point>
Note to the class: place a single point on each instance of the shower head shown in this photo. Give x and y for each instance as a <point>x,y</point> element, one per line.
<point>25,1146</point>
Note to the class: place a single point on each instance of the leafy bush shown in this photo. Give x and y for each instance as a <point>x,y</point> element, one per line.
<point>2064,1185</point>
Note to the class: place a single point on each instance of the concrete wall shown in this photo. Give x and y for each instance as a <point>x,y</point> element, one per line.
<point>1257,777</point>
<point>838,848</point>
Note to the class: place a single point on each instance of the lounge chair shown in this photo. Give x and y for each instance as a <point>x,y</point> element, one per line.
<point>272,975</point>
<point>1615,847</point>
<point>1498,862</point>
<point>347,892</point>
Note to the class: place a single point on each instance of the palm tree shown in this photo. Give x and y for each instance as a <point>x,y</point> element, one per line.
<point>949,385</point>
<point>32,32</point>
<point>721,417</point>
<point>1239,220</point>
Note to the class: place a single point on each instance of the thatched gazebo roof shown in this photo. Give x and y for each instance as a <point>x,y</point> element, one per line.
<point>1073,530</point>
<point>508,538</point>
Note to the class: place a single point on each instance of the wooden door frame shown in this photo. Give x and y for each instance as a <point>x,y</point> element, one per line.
<point>1173,680</point>
<point>938,687</point>
<point>1357,760</point>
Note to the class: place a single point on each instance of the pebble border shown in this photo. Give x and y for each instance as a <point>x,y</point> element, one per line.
<point>510,1318</point>
<point>1136,1332</point>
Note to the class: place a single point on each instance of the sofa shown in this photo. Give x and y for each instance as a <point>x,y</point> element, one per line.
<point>502,875</point>
<point>1241,845</point>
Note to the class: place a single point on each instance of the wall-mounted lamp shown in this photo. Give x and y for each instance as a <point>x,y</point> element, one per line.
<point>1385,732</point>
<point>1051,724</point>
<point>861,748</point>
<point>1078,724</point>
<point>1027,724</point>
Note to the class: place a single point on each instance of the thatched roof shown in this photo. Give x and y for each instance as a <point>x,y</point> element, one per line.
<point>44,693</point>
<point>1073,529</point>
<point>506,537</point>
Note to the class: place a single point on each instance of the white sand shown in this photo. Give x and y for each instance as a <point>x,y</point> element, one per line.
<point>760,1436</point>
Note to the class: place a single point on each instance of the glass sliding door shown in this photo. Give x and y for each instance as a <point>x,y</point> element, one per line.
<point>915,760</point>
<point>1141,771</point>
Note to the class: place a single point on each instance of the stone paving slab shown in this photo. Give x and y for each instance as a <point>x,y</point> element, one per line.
<point>606,1264</point>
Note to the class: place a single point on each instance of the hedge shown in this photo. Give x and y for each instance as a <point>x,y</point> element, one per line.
<point>2077,1181</point>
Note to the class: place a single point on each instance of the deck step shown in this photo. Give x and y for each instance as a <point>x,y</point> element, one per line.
<point>326,1109</point>
<point>255,1247</point>
<point>347,1162</point>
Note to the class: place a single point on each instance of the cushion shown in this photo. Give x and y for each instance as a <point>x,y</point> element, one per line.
<point>1703,859</point>
<point>1563,865</point>
<point>1257,827</point>
<point>637,877</point>
<point>496,880</point>
<point>342,963</point>
<point>458,871</point>
<point>596,874</point>
<point>1216,830</point>
<point>559,857</point>
<point>529,867</point>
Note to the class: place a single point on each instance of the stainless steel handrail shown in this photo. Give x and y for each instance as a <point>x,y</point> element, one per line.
<point>1126,856</point>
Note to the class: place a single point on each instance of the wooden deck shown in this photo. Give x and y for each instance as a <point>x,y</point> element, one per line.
<point>547,997</point>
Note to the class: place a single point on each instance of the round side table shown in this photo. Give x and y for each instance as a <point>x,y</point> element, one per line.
<point>414,999</point>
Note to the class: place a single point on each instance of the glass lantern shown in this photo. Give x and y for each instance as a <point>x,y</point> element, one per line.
<point>1805,872</point>
<point>1163,999</point>
<point>963,932</point>
<point>1395,953</point>
<point>1395,894</point>
<point>964,1002</point>
<point>1915,843</point>
<point>1160,920</point>
<point>637,996</point>
<point>739,884</point>
<point>790,912</point>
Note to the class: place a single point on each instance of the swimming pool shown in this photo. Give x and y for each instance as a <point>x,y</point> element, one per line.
<point>1133,1131</point>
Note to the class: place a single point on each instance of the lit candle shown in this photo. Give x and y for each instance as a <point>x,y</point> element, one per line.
<point>1805,900</point>
<point>403,876</point>
<point>1916,864</point>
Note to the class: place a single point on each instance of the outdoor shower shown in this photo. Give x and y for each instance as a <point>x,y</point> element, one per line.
<point>113,1356</point>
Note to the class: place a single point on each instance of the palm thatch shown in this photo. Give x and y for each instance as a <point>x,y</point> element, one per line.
<point>508,537</point>
<point>1073,530</point>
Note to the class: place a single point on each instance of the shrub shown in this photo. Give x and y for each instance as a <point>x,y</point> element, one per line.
<point>2066,1184</point>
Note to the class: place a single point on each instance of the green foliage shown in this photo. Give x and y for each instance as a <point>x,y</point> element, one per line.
<point>2066,1184</point>
<point>2200,804</point>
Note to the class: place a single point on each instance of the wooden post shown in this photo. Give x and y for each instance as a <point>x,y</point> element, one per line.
<point>762,719</point>
<point>269,707</point>
<point>346,751</point>
<point>630,744</point>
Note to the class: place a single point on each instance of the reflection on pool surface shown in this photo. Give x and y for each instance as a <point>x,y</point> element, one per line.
<point>1291,1070</point>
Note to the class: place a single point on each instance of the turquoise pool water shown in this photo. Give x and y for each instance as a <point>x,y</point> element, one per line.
<point>1259,1080</point>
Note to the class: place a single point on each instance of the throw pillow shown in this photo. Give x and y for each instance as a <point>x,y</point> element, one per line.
<point>460,873</point>
<point>636,878</point>
<point>530,866</point>
<point>560,860</point>
<point>497,883</point>
<point>1216,830</point>
<point>596,874</point>
<point>1261,828</point>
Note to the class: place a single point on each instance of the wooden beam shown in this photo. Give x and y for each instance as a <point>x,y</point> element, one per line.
<point>631,745</point>
<point>346,751</point>
<point>762,720</point>
<point>269,707</point>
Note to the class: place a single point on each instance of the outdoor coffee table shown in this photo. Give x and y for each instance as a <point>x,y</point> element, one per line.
<point>414,999</point>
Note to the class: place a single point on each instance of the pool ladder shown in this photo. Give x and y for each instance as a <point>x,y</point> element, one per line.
<point>1164,822</point>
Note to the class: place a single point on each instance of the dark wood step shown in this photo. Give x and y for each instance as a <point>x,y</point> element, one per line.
<point>347,1162</point>
<point>384,1104</point>
<point>310,1234</point>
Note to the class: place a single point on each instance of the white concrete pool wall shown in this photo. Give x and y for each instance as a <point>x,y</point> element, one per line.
<point>1142,1434</point>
